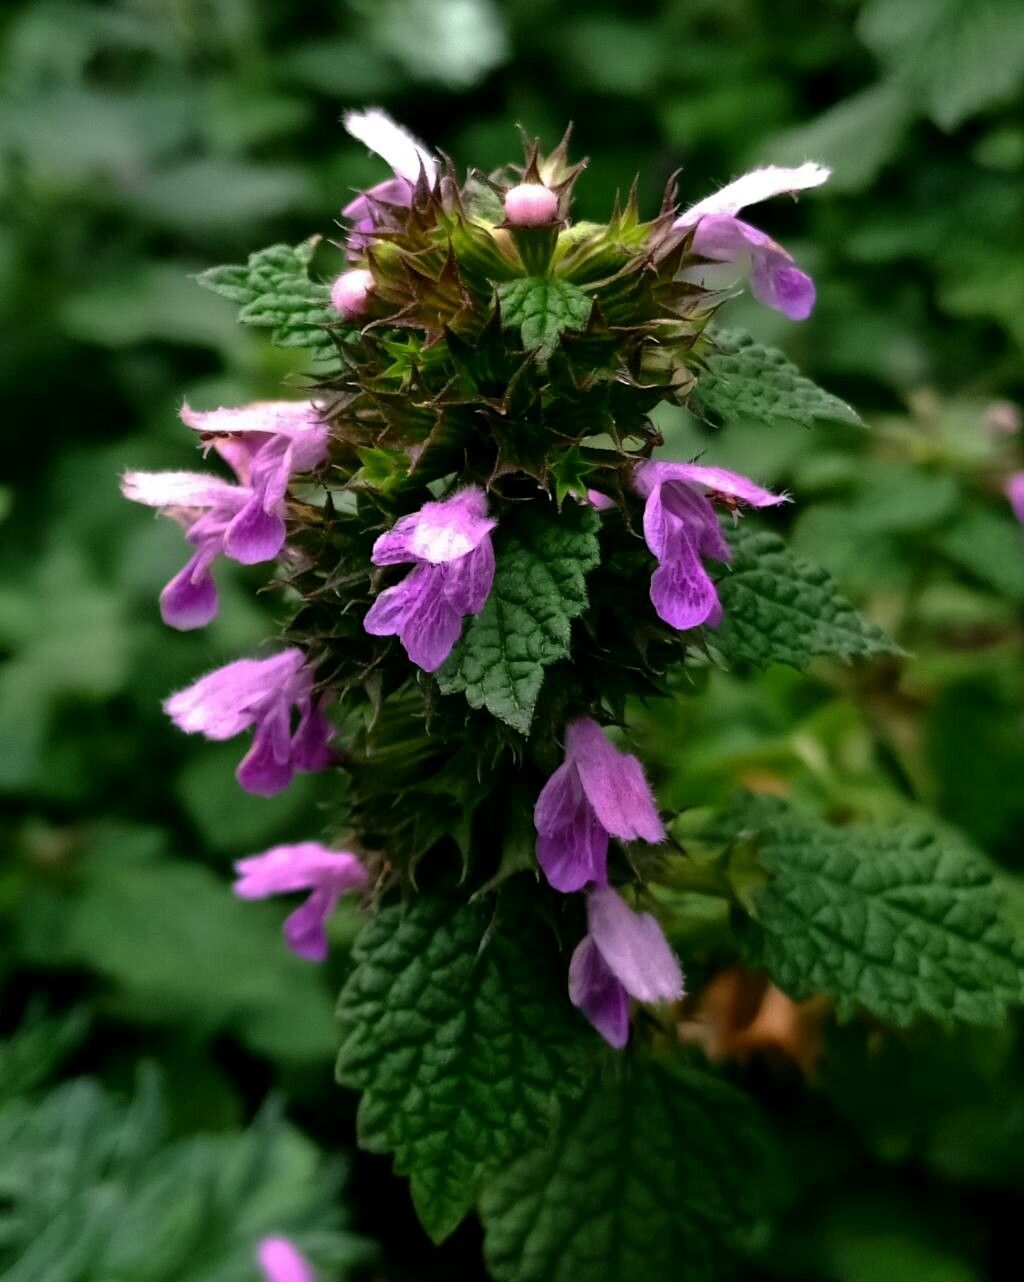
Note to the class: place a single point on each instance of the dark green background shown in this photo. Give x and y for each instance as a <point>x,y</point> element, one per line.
<point>144,141</point>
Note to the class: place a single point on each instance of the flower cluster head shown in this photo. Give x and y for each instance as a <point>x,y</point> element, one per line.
<point>484,553</point>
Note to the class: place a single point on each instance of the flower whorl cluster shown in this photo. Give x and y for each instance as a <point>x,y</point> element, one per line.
<point>480,486</point>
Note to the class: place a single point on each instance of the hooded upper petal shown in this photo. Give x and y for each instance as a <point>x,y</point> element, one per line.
<point>404,153</point>
<point>181,490</point>
<point>753,187</point>
<point>651,474</point>
<point>225,702</point>
<point>439,533</point>
<point>614,783</point>
<point>633,947</point>
<point>303,865</point>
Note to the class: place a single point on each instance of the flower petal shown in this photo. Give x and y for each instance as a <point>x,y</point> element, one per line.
<point>1015,493</point>
<point>181,489</point>
<point>572,846</point>
<point>189,600</point>
<point>634,948</point>
<point>281,1262</point>
<point>303,865</point>
<point>468,581</point>
<point>598,994</point>
<point>376,130</point>
<point>451,529</point>
<point>681,592</point>
<point>430,633</point>
<point>651,474</point>
<point>254,535</point>
<point>758,185</point>
<point>614,783</point>
<point>223,703</point>
<point>305,928</point>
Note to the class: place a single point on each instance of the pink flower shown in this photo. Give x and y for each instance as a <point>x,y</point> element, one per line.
<point>328,874</point>
<point>1015,493</point>
<point>280,1261</point>
<point>531,205</point>
<point>681,527</point>
<point>449,543</point>
<point>624,954</point>
<point>406,156</point>
<point>264,444</point>
<point>597,792</point>
<point>273,697</point>
<point>775,279</point>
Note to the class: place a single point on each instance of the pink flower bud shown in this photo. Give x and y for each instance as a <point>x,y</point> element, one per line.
<point>351,291</point>
<point>531,205</point>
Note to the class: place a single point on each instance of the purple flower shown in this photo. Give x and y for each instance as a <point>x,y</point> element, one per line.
<point>264,444</point>
<point>1015,493</point>
<point>681,527</point>
<point>623,955</point>
<point>274,698</point>
<point>775,280</point>
<point>531,205</point>
<point>328,874</point>
<point>280,1261</point>
<point>450,545</point>
<point>407,157</point>
<point>597,792</point>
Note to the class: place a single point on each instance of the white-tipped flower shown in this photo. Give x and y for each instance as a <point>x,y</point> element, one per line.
<point>531,205</point>
<point>350,293</point>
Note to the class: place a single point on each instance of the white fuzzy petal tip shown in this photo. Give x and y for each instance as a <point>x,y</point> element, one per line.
<point>376,130</point>
<point>758,185</point>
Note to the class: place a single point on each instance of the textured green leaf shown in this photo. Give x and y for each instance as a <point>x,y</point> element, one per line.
<point>781,608</point>
<point>539,588</point>
<point>898,920</point>
<point>273,291</point>
<point>745,380</point>
<point>956,56</point>
<point>652,1176</point>
<point>542,308</point>
<point>95,1190</point>
<point>457,1028</point>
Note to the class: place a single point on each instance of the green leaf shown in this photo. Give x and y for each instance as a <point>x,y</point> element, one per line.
<point>781,608</point>
<point>956,58</point>
<point>856,137</point>
<point>899,920</point>
<point>990,545</point>
<point>653,1175</point>
<point>95,1189</point>
<point>273,290</point>
<point>539,588</point>
<point>458,1030</point>
<point>542,308</point>
<point>745,380</point>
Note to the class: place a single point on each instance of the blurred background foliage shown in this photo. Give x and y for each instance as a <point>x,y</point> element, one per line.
<point>144,140</point>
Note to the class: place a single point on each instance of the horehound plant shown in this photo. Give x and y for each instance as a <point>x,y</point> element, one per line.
<point>485,562</point>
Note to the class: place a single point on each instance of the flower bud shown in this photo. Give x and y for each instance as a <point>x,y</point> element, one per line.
<point>350,293</point>
<point>531,205</point>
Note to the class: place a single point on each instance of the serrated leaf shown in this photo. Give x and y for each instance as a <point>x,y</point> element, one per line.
<point>542,308</point>
<point>273,291</point>
<point>652,1175</point>
<point>745,380</point>
<point>782,608</point>
<point>457,1028</point>
<point>956,57</point>
<point>899,920</point>
<point>539,588</point>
